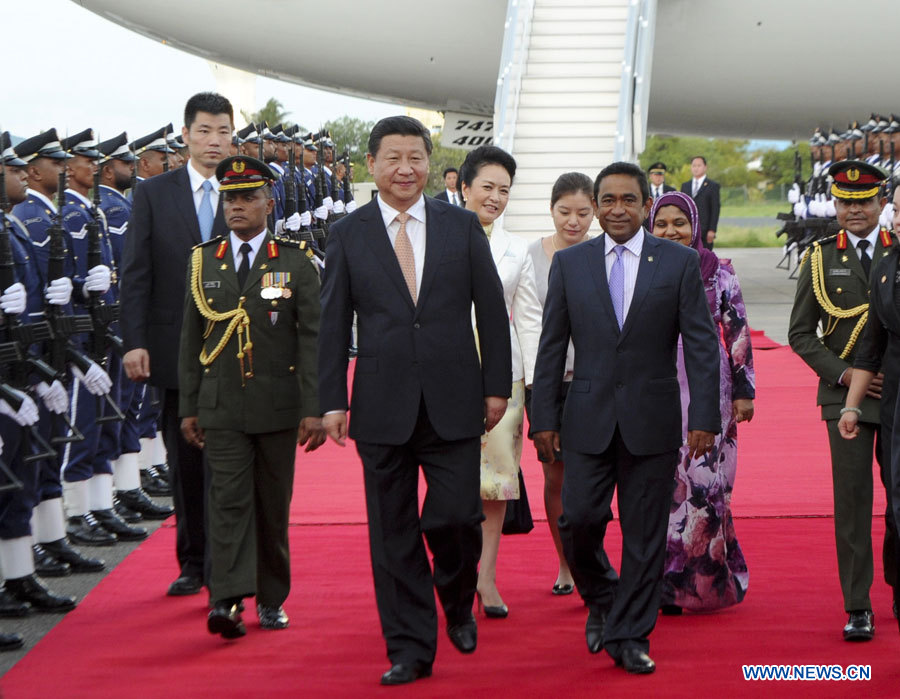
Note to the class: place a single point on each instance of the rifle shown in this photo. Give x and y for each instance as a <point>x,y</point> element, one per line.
<point>17,365</point>
<point>321,230</point>
<point>102,315</point>
<point>891,176</point>
<point>348,191</point>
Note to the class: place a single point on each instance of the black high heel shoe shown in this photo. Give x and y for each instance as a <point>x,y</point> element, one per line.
<point>497,612</point>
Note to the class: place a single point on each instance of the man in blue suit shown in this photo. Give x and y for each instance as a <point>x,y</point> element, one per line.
<point>411,268</point>
<point>623,298</point>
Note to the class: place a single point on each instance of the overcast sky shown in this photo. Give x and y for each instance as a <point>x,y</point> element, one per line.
<point>69,68</point>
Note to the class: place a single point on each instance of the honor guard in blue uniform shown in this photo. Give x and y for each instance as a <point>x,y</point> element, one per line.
<point>23,303</point>
<point>153,154</point>
<point>86,465</point>
<point>132,504</point>
<point>45,161</point>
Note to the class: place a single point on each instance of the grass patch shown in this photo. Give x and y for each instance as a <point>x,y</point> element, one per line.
<point>760,209</point>
<point>741,237</point>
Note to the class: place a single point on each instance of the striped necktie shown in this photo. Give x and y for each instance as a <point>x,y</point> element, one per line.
<point>617,285</point>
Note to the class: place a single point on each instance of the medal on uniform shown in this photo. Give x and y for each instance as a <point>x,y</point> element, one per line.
<point>274,285</point>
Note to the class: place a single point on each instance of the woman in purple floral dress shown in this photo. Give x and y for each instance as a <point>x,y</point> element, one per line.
<point>705,569</point>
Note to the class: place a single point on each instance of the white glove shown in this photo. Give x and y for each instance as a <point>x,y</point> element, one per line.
<point>794,194</point>
<point>13,299</point>
<point>800,209</point>
<point>322,213</point>
<point>96,381</point>
<point>338,207</point>
<point>305,219</point>
<point>98,279</point>
<point>887,215</point>
<point>328,203</point>
<point>351,206</point>
<point>293,222</point>
<point>59,291</point>
<point>26,415</point>
<point>830,211</point>
<point>54,396</point>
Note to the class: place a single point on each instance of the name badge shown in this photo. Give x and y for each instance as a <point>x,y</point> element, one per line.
<point>211,285</point>
<point>840,272</point>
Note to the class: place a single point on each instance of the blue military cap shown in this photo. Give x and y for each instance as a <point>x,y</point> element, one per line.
<point>153,141</point>
<point>309,141</point>
<point>44,145</point>
<point>7,154</point>
<point>116,148</point>
<point>278,134</point>
<point>82,143</point>
<point>248,134</point>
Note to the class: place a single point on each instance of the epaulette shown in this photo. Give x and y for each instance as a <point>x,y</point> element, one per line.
<point>211,241</point>
<point>288,242</point>
<point>829,239</point>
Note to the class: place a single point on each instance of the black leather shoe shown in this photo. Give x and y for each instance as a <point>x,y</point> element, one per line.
<point>138,501</point>
<point>185,585</point>
<point>272,618</point>
<point>464,635</point>
<point>860,626</point>
<point>11,607</point>
<point>164,472</point>
<point>79,563</point>
<point>29,589</point>
<point>112,523</point>
<point>593,631</point>
<point>10,641</point>
<point>152,484</point>
<point>566,589</point>
<point>636,661</point>
<point>86,530</point>
<point>225,620</point>
<point>402,673</point>
<point>126,513</point>
<point>47,566</point>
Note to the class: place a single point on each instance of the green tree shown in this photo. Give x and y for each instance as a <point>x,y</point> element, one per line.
<point>726,159</point>
<point>442,158</point>
<point>778,166</point>
<point>351,135</point>
<point>272,113</point>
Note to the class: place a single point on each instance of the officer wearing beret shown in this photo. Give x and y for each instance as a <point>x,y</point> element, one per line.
<point>248,392</point>
<point>833,297</point>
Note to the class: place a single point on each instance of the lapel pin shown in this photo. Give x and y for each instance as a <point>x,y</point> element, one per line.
<point>884,279</point>
<point>263,266</point>
<point>224,266</point>
<point>650,258</point>
<point>844,258</point>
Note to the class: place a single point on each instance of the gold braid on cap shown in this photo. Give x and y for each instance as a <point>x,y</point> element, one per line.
<point>238,320</point>
<point>836,314</point>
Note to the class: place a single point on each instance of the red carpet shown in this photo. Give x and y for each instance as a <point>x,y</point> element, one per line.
<point>143,644</point>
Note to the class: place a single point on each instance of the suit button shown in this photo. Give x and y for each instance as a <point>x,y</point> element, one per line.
<point>290,368</point>
<point>416,326</point>
<point>839,290</point>
<point>206,370</point>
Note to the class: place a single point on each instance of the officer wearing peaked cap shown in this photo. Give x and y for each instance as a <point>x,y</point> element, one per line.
<point>830,310</point>
<point>153,153</point>
<point>248,392</point>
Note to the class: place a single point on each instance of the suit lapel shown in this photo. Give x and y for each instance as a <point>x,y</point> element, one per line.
<point>379,243</point>
<point>597,264</point>
<point>886,286</point>
<point>850,259</point>
<point>647,267</point>
<point>435,237</point>
<point>499,244</point>
<point>261,265</point>
<point>183,199</point>
<point>225,267</point>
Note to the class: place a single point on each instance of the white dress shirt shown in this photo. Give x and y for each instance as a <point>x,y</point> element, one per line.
<point>631,258</point>
<point>197,181</point>
<point>255,244</point>
<point>453,197</point>
<point>872,238</point>
<point>696,184</point>
<point>415,231</point>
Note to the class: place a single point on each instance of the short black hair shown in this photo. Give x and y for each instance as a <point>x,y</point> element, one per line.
<point>571,183</point>
<point>448,170</point>
<point>209,102</point>
<point>623,168</point>
<point>399,126</point>
<point>699,157</point>
<point>486,155</point>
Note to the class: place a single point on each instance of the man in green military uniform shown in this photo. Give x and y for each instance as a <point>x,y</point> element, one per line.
<point>249,401</point>
<point>833,293</point>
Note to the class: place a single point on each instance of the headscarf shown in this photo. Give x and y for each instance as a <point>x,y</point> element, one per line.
<point>709,261</point>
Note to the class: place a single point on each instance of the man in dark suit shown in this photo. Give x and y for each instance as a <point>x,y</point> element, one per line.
<point>705,194</point>
<point>623,298</point>
<point>172,213</point>
<point>411,268</point>
<point>658,186</point>
<point>249,403</point>
<point>451,192</point>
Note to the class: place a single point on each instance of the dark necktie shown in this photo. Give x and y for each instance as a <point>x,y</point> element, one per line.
<point>864,256</point>
<point>244,269</point>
